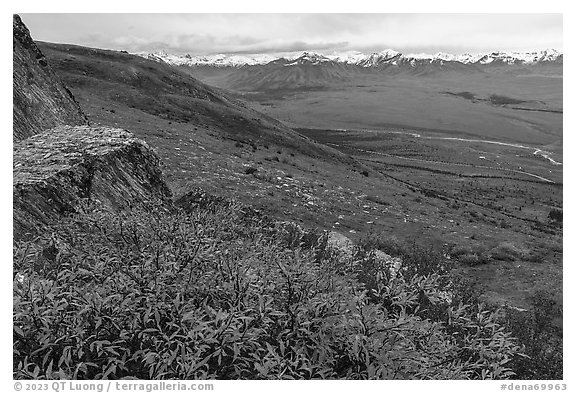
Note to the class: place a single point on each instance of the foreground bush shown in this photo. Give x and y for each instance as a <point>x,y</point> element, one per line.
<point>539,330</point>
<point>225,293</point>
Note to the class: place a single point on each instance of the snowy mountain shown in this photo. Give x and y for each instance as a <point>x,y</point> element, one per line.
<point>550,55</point>
<point>308,70</point>
<point>384,58</point>
<point>352,57</point>
<point>376,59</point>
<point>218,60</point>
<point>311,58</point>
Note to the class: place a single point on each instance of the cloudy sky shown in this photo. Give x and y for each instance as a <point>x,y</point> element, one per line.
<point>326,33</point>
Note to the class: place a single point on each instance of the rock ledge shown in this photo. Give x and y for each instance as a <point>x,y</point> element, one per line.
<point>57,169</point>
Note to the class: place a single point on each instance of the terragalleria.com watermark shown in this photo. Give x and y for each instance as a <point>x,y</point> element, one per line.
<point>118,386</point>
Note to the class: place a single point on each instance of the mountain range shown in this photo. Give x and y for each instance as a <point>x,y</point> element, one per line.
<point>376,59</point>
<point>305,70</point>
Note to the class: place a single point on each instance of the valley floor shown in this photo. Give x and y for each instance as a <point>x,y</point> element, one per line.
<point>481,198</point>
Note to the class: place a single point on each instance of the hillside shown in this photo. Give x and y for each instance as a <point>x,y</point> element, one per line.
<point>204,137</point>
<point>40,99</point>
<point>393,195</point>
<point>167,93</point>
<point>305,72</point>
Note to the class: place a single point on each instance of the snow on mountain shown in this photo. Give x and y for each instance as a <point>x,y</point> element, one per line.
<point>468,58</point>
<point>376,59</point>
<point>445,56</point>
<point>308,58</point>
<point>385,57</point>
<point>352,57</point>
<point>218,60</point>
<point>418,56</point>
<point>549,55</point>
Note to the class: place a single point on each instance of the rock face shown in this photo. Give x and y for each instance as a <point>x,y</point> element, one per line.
<point>41,101</point>
<point>57,169</point>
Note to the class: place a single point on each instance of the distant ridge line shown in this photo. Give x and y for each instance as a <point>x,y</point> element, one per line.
<point>374,59</point>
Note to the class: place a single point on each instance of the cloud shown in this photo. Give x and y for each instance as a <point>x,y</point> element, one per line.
<point>240,44</point>
<point>207,44</point>
<point>268,33</point>
<point>294,46</point>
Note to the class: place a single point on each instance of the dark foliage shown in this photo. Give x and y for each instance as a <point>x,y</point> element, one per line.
<point>555,215</point>
<point>503,100</point>
<point>217,292</point>
<point>539,330</point>
<point>250,170</point>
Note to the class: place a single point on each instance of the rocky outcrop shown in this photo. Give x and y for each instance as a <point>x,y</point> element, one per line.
<point>40,100</point>
<point>56,170</point>
<point>345,246</point>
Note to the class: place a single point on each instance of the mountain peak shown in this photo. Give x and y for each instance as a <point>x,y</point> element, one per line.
<point>309,58</point>
<point>389,52</point>
<point>375,59</point>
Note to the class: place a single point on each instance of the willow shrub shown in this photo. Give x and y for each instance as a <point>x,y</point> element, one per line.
<point>220,293</point>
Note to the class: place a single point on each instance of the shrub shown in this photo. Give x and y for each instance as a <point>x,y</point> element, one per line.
<point>508,251</point>
<point>268,177</point>
<point>377,199</point>
<point>503,100</point>
<point>389,244</point>
<point>539,331</point>
<point>470,259</point>
<point>420,256</point>
<point>474,259</point>
<point>218,291</point>
<point>459,250</point>
<point>555,215</point>
<point>470,255</point>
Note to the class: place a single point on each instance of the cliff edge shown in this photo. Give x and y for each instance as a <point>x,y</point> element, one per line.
<point>40,99</point>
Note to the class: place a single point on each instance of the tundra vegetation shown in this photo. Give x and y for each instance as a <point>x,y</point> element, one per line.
<point>215,289</point>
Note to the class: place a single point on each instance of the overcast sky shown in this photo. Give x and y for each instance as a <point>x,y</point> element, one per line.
<point>325,33</point>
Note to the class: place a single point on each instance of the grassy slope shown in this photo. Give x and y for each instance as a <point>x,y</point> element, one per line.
<point>200,139</point>
<point>277,75</point>
<point>168,93</point>
<point>205,137</point>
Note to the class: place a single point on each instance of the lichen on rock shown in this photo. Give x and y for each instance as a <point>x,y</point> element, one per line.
<point>56,170</point>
